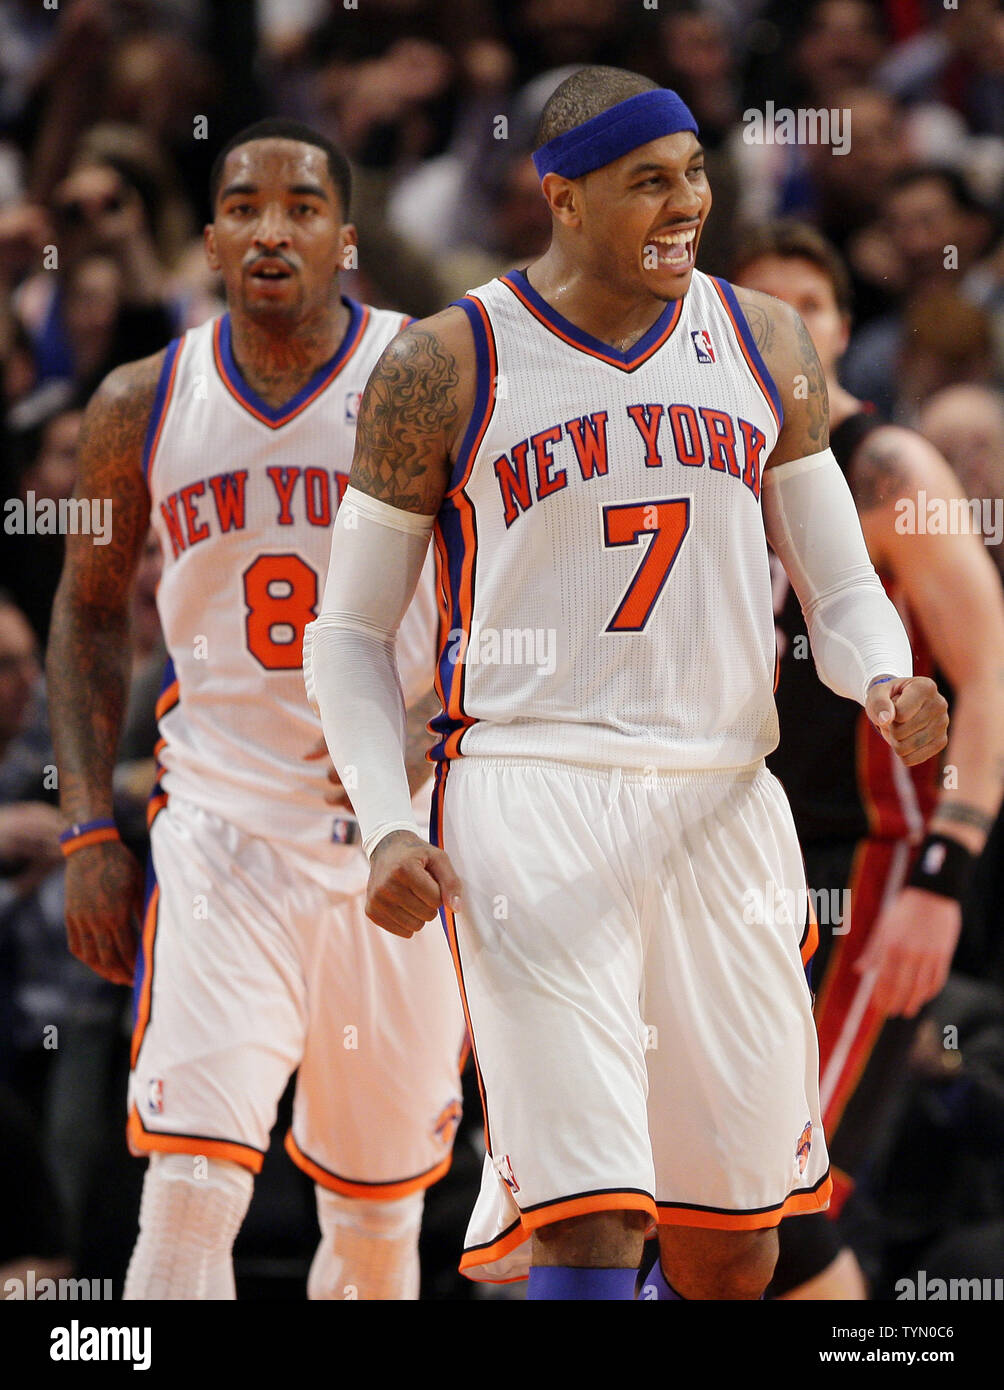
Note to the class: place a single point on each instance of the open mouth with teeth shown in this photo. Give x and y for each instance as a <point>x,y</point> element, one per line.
<point>675,250</point>
<point>270,270</point>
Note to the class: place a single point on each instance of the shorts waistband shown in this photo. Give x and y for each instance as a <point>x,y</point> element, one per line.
<point>644,776</point>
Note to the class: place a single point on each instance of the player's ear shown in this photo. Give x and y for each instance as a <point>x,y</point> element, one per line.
<point>562,197</point>
<point>209,242</point>
<point>349,237</point>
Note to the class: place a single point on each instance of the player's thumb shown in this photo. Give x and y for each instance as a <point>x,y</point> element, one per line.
<point>440,868</point>
<point>883,710</point>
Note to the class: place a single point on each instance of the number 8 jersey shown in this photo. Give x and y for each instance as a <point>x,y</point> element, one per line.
<point>601,548</point>
<point>243,498</point>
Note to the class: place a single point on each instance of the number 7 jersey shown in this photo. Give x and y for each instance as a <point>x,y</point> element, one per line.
<point>243,498</point>
<point>601,552</point>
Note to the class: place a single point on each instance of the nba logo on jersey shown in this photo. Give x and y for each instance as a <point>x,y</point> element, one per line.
<point>352,399</point>
<point>155,1096</point>
<point>701,339</point>
<point>344,832</point>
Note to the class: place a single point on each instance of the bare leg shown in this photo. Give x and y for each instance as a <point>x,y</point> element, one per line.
<point>711,1264</point>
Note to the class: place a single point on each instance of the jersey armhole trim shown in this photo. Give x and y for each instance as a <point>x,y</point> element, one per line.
<point>486,367</point>
<point>161,404</point>
<point>750,351</point>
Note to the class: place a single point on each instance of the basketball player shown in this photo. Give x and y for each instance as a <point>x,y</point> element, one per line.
<point>903,845</point>
<point>255,957</point>
<point>588,440</point>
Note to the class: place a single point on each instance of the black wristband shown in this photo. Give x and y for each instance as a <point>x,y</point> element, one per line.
<point>943,866</point>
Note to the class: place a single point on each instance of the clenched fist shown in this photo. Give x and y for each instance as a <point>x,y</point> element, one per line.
<point>911,714</point>
<point>409,881</point>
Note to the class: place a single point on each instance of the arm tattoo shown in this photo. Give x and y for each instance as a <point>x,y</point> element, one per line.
<point>87,664</point>
<point>875,476</point>
<point>966,814</point>
<point>407,413</point>
<point>761,325</point>
<point>818,406</point>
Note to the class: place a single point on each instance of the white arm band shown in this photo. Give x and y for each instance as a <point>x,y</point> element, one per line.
<point>854,630</point>
<point>349,665</point>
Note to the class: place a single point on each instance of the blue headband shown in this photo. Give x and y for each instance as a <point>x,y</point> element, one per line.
<point>605,137</point>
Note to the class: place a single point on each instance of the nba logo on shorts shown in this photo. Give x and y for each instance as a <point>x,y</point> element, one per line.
<point>802,1147</point>
<point>504,1169</point>
<point>155,1096</point>
<point>352,399</point>
<point>701,339</point>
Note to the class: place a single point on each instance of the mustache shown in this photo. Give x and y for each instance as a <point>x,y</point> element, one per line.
<point>271,256</point>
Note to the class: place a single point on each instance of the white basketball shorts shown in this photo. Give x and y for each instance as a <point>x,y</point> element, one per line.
<point>255,961</point>
<point>629,947</point>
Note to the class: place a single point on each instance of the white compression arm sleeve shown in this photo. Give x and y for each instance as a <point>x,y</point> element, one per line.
<point>854,630</point>
<point>349,665</point>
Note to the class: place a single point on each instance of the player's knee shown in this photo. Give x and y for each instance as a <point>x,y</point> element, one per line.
<point>190,1213</point>
<point>184,1191</point>
<point>748,1272</point>
<point>600,1240</point>
<point>718,1264</point>
<point>368,1249</point>
<point>389,1220</point>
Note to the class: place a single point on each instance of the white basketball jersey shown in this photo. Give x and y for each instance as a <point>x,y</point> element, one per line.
<point>243,499</point>
<point>601,548</point>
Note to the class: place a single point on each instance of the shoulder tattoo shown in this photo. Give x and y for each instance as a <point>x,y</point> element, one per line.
<point>408,412</point>
<point>110,455</point>
<point>818,414</point>
<point>115,423</point>
<point>761,326</point>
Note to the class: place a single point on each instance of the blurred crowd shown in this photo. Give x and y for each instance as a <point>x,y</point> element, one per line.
<point>111,112</point>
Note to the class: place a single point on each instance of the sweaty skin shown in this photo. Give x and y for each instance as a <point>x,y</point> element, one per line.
<point>602,274</point>
<point>413,415</point>
<point>277,209</point>
<point>88,664</point>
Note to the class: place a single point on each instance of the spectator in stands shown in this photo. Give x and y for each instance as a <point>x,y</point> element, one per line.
<point>517,229</point>
<point>959,59</point>
<point>841,45</point>
<point>946,341</point>
<point>30,563</point>
<point>105,250</point>
<point>929,235</point>
<point>966,423</point>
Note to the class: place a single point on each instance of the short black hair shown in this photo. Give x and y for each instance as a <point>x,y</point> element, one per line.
<point>790,240</point>
<point>278,128</point>
<point>952,181</point>
<point>586,94</point>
